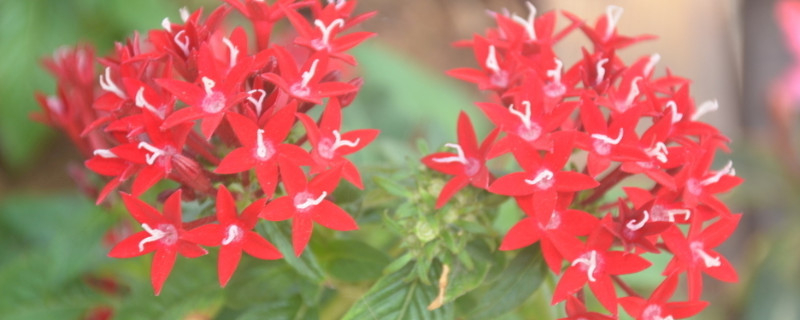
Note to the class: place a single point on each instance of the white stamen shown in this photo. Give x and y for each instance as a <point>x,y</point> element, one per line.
<point>104,153</point>
<point>659,151</point>
<point>634,91</point>
<point>326,30</point>
<point>155,235</point>
<point>544,175</point>
<point>727,170</point>
<point>184,45</point>
<point>706,107</point>
<point>339,3</point>
<point>156,152</point>
<point>652,63</point>
<point>307,75</point>
<point>259,104</point>
<point>708,260</point>
<point>261,150</point>
<point>608,139</point>
<point>234,51</point>
<point>634,225</point>
<point>108,85</point>
<point>491,60</point>
<point>338,142</point>
<point>184,13</point>
<point>524,117</point>
<point>674,212</point>
<point>675,115</point>
<point>312,202</point>
<point>556,72</point>
<point>166,24</point>
<point>141,102</point>
<point>591,262</point>
<point>234,232</point>
<point>460,158</point>
<point>208,85</point>
<point>601,71</point>
<point>528,24</point>
<point>613,14</point>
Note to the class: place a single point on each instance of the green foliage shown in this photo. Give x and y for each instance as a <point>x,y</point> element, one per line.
<point>351,260</point>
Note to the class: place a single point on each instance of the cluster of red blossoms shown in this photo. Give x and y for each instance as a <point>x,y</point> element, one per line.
<point>576,132</point>
<point>202,106</point>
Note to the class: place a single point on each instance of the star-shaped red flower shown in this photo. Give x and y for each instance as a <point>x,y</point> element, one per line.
<point>233,234</point>
<point>657,306</point>
<point>162,234</point>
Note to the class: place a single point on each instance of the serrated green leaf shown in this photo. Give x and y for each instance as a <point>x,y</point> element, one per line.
<point>305,265</point>
<point>518,281</point>
<point>351,260</point>
<point>391,298</point>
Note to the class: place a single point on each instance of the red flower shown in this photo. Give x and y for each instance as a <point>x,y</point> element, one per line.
<point>594,264</point>
<point>305,203</point>
<point>468,165</point>
<point>262,148</point>
<point>694,253</point>
<point>323,35</point>
<point>162,234</point>
<point>576,310</point>
<point>307,86</point>
<point>329,146</point>
<point>233,234</point>
<point>495,73</point>
<point>657,306</point>
<point>604,34</point>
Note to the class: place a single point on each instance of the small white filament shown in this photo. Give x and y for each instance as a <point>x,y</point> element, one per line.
<point>258,103</point>
<point>208,85</point>
<point>183,44</point>
<point>338,142</point>
<point>234,51</point>
<point>652,63</point>
<point>708,260</point>
<point>184,12</point>
<point>155,235</point>
<point>591,262</point>
<point>675,115</point>
<point>634,225</point>
<point>326,30</point>
<point>524,117</point>
<point>312,202</point>
<point>261,150</point>
<point>491,60</point>
<point>544,175</point>
<point>108,85</point>
<point>601,71</point>
<point>555,73</point>
<point>659,151</point>
<point>727,170</point>
<point>233,233</point>
<point>674,212</point>
<point>307,75</point>
<point>706,107</point>
<point>104,153</point>
<point>608,139</point>
<point>528,24</point>
<point>156,152</point>
<point>613,14</point>
<point>141,102</point>
<point>166,24</point>
<point>634,91</point>
<point>460,158</point>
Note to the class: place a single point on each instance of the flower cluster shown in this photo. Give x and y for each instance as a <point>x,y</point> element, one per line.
<point>577,131</point>
<point>207,107</point>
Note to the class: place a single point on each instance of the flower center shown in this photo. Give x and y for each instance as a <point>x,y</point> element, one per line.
<point>459,157</point>
<point>696,187</point>
<point>555,88</point>
<point>258,103</point>
<point>232,234</point>
<point>264,148</point>
<point>529,131</point>
<point>589,263</point>
<point>301,89</point>
<point>150,158</point>
<point>602,143</point>
<point>324,42</point>
<point>108,85</point>
<point>304,200</point>
<point>659,151</point>
<point>214,101</point>
<point>327,148</point>
<point>165,233</point>
<point>698,253</point>
<point>543,179</point>
<point>653,312</point>
<point>601,71</point>
<point>634,225</point>
<point>553,223</point>
<point>182,43</point>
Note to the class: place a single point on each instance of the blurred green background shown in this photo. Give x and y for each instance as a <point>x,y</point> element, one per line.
<point>50,235</point>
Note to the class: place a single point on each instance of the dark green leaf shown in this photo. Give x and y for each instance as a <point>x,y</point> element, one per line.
<point>464,278</point>
<point>391,298</point>
<point>286,309</point>
<point>351,260</point>
<point>305,265</point>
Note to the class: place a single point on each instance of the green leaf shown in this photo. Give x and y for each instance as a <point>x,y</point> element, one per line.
<point>306,264</point>
<point>351,260</point>
<point>518,281</point>
<point>464,279</point>
<point>287,309</point>
<point>392,298</point>
<point>393,187</point>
